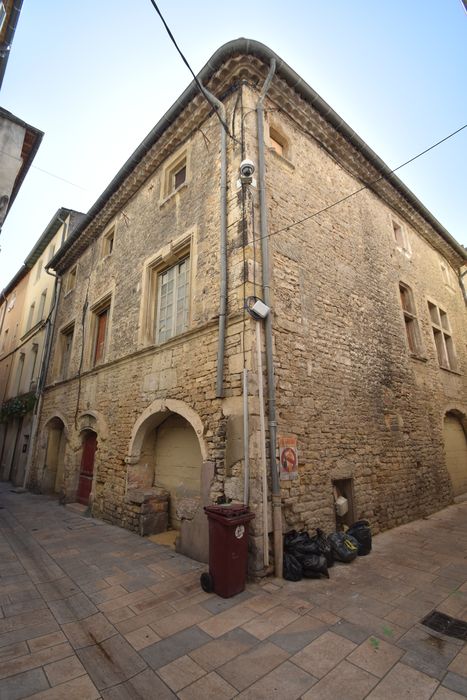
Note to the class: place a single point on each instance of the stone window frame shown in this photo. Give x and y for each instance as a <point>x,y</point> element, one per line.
<point>275,134</point>
<point>173,253</point>
<point>175,164</point>
<point>62,355</point>
<point>442,337</point>
<point>411,322</point>
<point>104,304</point>
<point>401,237</point>
<point>449,276</point>
<point>70,279</point>
<point>108,242</point>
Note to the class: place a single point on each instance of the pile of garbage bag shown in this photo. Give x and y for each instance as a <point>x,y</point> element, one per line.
<point>311,556</point>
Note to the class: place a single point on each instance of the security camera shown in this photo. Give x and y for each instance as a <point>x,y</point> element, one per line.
<point>247,168</point>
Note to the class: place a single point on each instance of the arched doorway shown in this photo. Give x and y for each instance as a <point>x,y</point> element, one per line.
<point>52,479</point>
<point>172,453</point>
<point>86,471</point>
<point>455,448</point>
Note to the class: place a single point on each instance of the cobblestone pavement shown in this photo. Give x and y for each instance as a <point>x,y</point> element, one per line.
<point>92,611</point>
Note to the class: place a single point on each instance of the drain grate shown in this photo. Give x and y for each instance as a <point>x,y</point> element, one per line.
<point>446,625</point>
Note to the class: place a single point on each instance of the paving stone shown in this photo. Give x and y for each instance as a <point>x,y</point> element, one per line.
<point>142,637</point>
<point>110,662</point>
<point>77,607</point>
<point>263,626</point>
<point>169,649</point>
<point>299,633</point>
<point>285,681</point>
<point>455,682</point>
<point>350,631</point>
<point>137,621</point>
<point>376,656</point>
<point>144,685</point>
<point>64,670</point>
<point>227,620</point>
<point>445,694</point>
<point>39,658</point>
<point>216,604</point>
<point>25,619</point>
<point>246,669</point>
<point>47,640</point>
<point>428,652</point>
<point>459,663</point>
<point>210,687</point>
<point>92,630</point>
<point>323,654</point>
<point>13,650</point>
<point>177,621</point>
<point>180,673</point>
<point>57,590</point>
<point>404,682</point>
<point>81,688</point>
<point>26,633</point>
<point>345,680</point>
<point>217,652</point>
<point>23,685</point>
<point>107,594</point>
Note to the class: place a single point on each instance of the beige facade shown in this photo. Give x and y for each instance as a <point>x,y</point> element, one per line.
<point>26,311</point>
<point>368,326</point>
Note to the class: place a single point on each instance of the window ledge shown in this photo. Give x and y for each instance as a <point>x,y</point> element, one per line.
<point>451,371</point>
<point>172,194</point>
<point>285,161</point>
<point>420,358</point>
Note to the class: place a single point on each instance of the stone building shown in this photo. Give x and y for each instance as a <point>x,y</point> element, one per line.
<point>26,306</point>
<point>153,404</point>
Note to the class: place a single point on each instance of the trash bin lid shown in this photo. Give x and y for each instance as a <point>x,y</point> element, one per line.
<point>232,510</point>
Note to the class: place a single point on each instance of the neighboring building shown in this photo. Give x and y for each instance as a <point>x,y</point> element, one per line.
<point>364,348</point>
<point>9,14</point>
<point>18,146</point>
<point>25,313</point>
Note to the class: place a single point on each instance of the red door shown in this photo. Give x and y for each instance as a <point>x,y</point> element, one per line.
<point>87,467</point>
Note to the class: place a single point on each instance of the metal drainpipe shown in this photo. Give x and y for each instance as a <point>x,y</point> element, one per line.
<point>42,376</point>
<point>276,492</point>
<point>217,104</point>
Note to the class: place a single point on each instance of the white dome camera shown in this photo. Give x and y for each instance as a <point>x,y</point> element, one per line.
<point>247,168</point>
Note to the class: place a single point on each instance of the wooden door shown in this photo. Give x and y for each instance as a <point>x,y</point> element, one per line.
<point>455,447</point>
<point>87,467</point>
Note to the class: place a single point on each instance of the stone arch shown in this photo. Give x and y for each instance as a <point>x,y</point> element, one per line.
<point>92,420</point>
<point>56,437</point>
<point>455,448</point>
<point>169,474</point>
<point>154,414</point>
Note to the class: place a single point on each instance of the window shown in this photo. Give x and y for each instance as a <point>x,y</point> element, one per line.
<point>66,342</point>
<point>70,280</point>
<point>39,269</point>
<point>41,309</point>
<point>175,176</point>
<point>51,253</point>
<point>410,319</point>
<point>108,242</point>
<point>2,14</point>
<point>19,373</point>
<point>101,318</point>
<point>277,142</point>
<point>400,236</point>
<point>5,341</point>
<point>449,276</point>
<point>442,336</point>
<point>33,381</point>
<point>30,315</point>
<point>173,288</point>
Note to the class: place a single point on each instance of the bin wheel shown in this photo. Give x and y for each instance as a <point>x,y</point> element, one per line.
<point>207,584</point>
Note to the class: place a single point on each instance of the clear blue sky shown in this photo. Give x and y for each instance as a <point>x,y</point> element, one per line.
<point>96,75</point>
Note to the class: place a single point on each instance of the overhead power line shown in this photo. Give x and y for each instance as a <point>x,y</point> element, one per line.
<point>200,87</point>
<point>365,187</point>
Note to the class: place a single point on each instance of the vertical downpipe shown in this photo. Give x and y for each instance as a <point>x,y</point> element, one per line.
<point>276,494</point>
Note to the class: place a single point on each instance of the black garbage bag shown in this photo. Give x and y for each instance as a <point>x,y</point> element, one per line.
<point>300,544</point>
<point>362,532</point>
<point>315,566</point>
<point>323,546</point>
<point>344,546</point>
<point>292,569</point>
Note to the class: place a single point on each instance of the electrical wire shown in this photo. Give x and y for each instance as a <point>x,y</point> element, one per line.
<point>365,187</point>
<point>200,87</point>
<point>47,172</point>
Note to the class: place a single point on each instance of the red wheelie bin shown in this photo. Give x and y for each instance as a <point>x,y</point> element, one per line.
<point>228,549</point>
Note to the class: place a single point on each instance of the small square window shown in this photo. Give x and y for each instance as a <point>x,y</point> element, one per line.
<point>108,242</point>
<point>401,238</point>
<point>277,142</point>
<point>175,176</point>
<point>70,280</point>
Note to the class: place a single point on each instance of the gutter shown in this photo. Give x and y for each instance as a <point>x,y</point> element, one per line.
<point>250,47</point>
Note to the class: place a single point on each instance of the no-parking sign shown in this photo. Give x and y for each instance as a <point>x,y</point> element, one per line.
<point>288,457</point>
